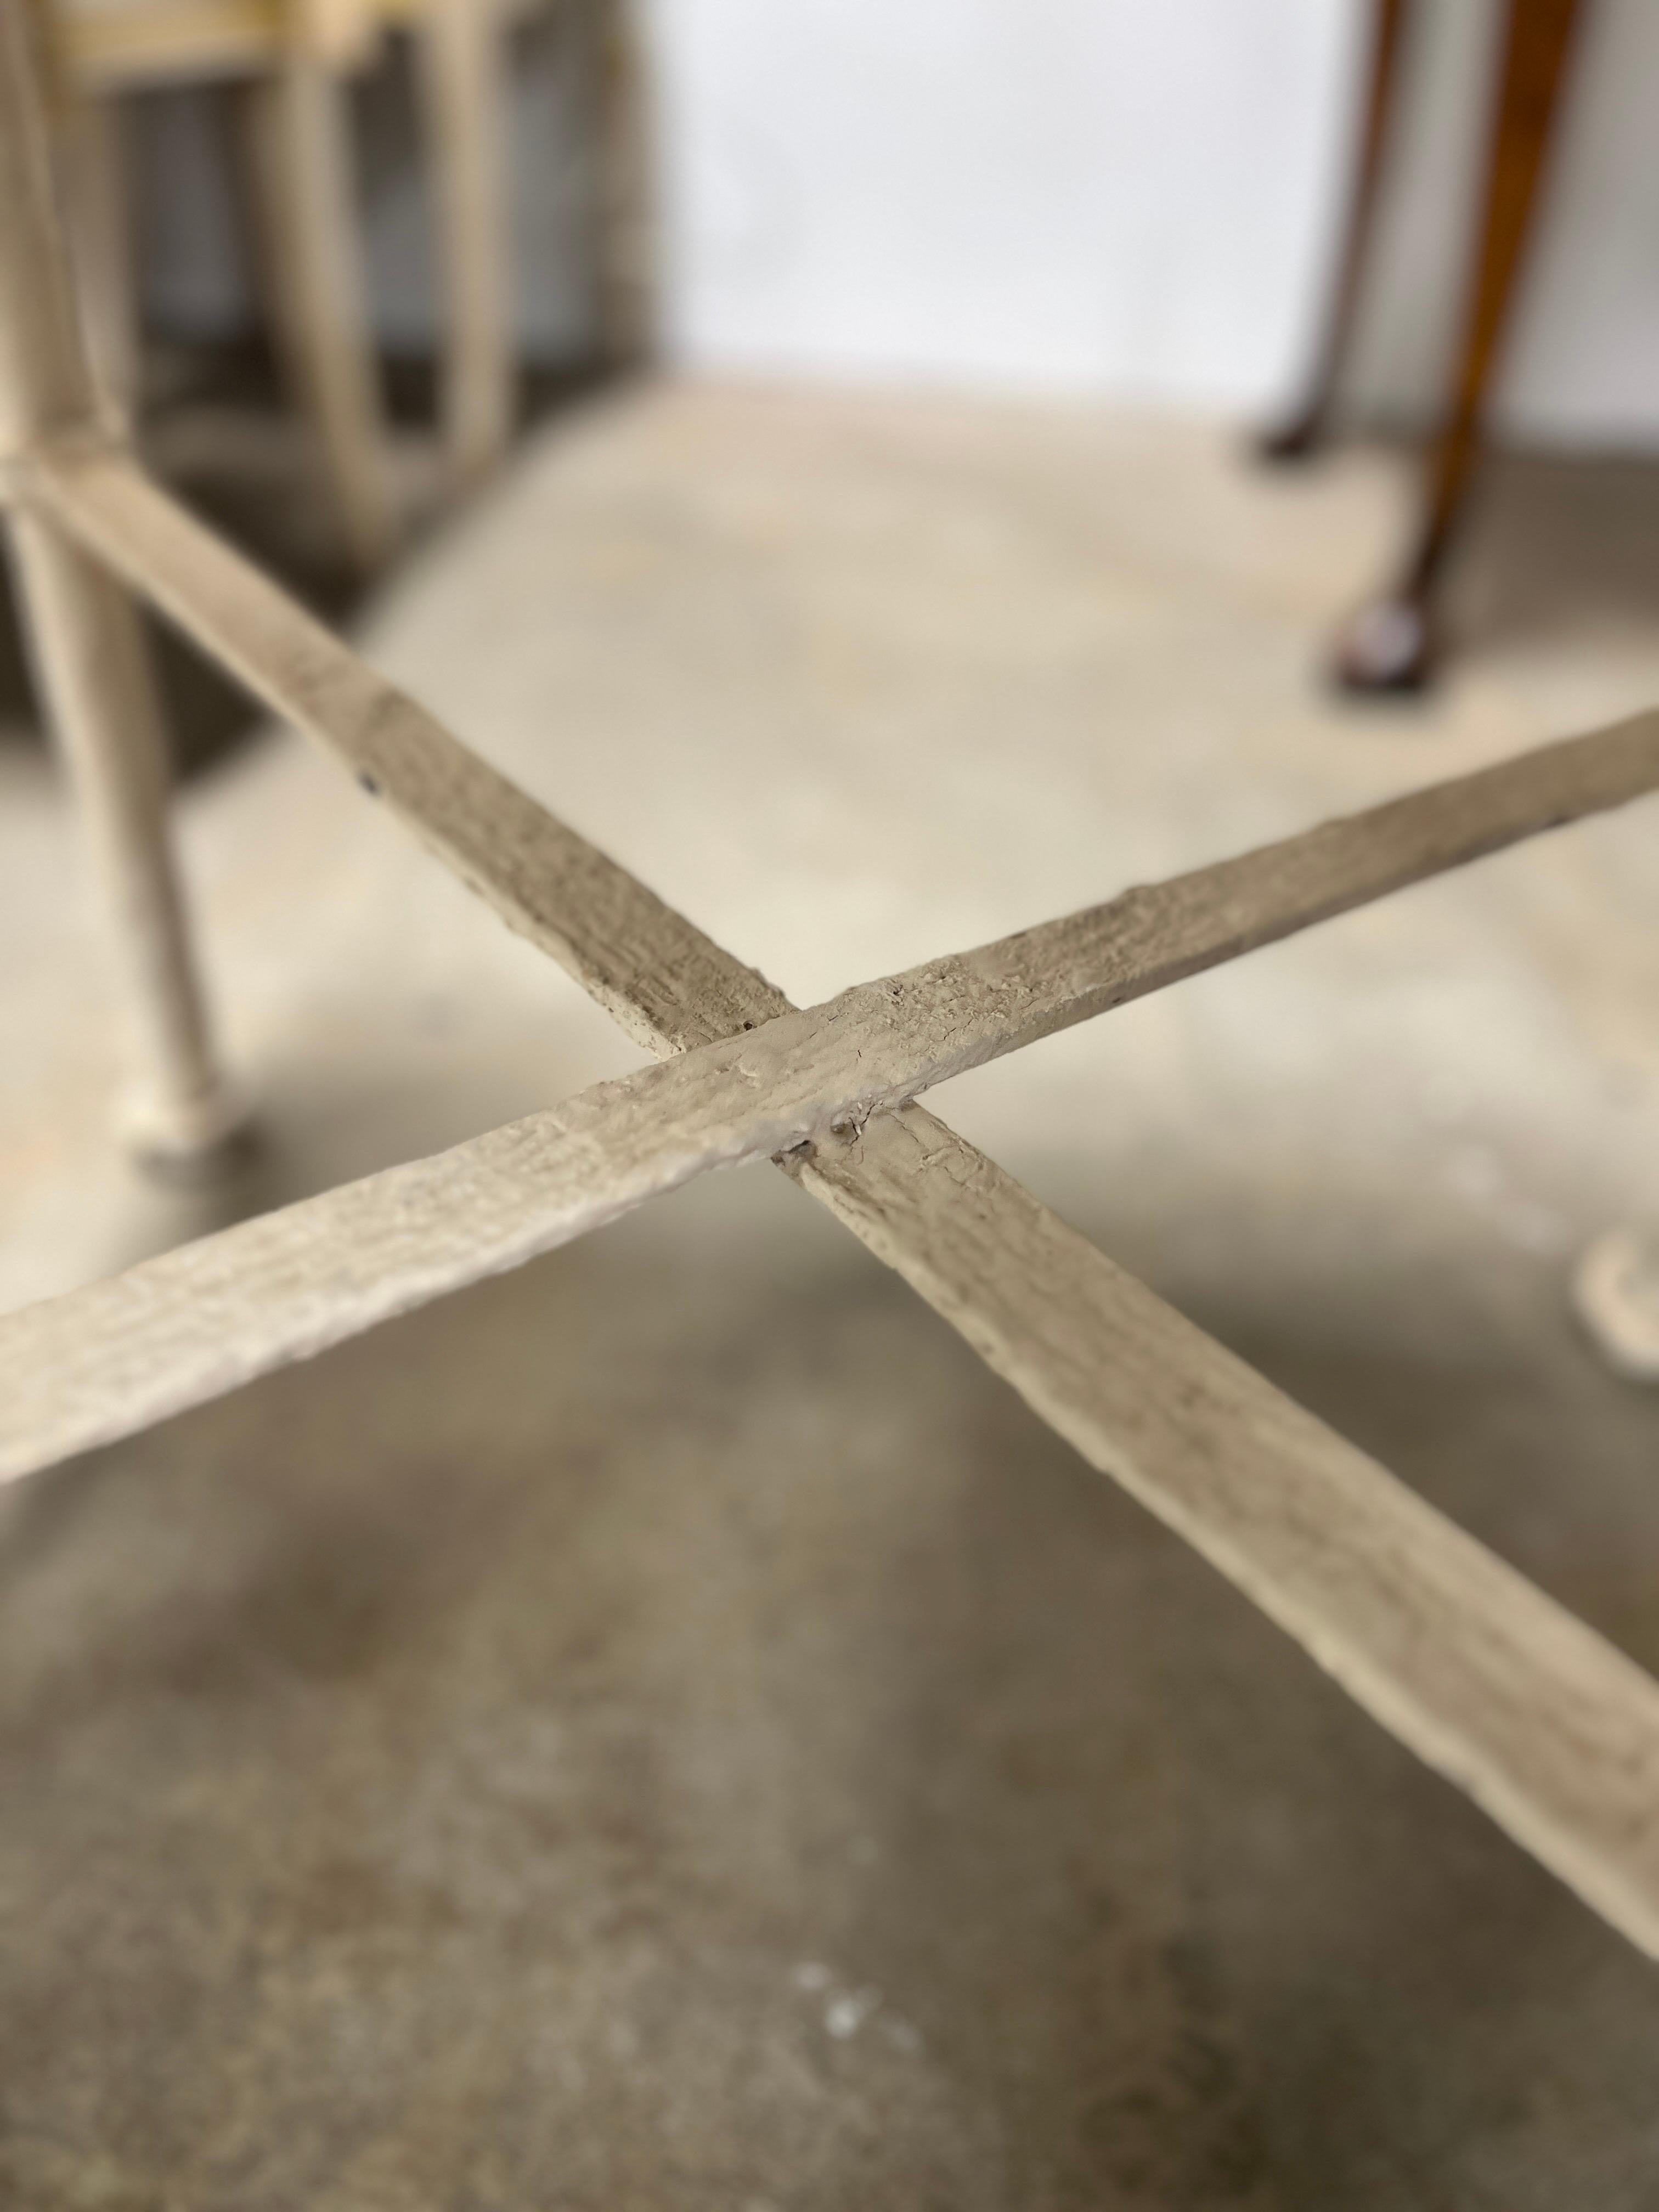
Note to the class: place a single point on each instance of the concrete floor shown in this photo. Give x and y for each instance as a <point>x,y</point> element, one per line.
<point>667,1728</point>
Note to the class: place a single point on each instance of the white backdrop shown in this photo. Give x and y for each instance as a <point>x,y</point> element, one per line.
<point>1132,198</point>
<point>1098,195</point>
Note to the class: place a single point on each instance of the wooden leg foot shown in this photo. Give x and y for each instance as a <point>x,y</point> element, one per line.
<point>1300,439</point>
<point>208,1138</point>
<point>1615,1294</point>
<point>1387,649</point>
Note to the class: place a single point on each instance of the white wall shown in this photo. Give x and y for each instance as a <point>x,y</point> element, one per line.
<point>1095,195</point>
<point>1122,198</point>
<point>1133,198</point>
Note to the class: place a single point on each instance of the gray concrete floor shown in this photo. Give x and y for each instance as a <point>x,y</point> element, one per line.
<point>667,1728</point>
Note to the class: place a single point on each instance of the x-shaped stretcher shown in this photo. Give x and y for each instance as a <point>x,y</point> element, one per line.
<point>1540,1720</point>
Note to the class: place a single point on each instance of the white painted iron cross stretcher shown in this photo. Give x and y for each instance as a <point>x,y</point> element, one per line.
<point>1540,1720</point>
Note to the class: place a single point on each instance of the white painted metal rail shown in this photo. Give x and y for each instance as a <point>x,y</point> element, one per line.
<point>1539,1719</point>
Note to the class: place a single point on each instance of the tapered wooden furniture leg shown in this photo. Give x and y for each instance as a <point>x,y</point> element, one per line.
<point>96,682</point>
<point>1615,1290</point>
<point>461,67</point>
<point>97,687</point>
<point>100,216</point>
<point>1304,431</point>
<point>1389,645</point>
<point>303,177</point>
<point>625,271</point>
